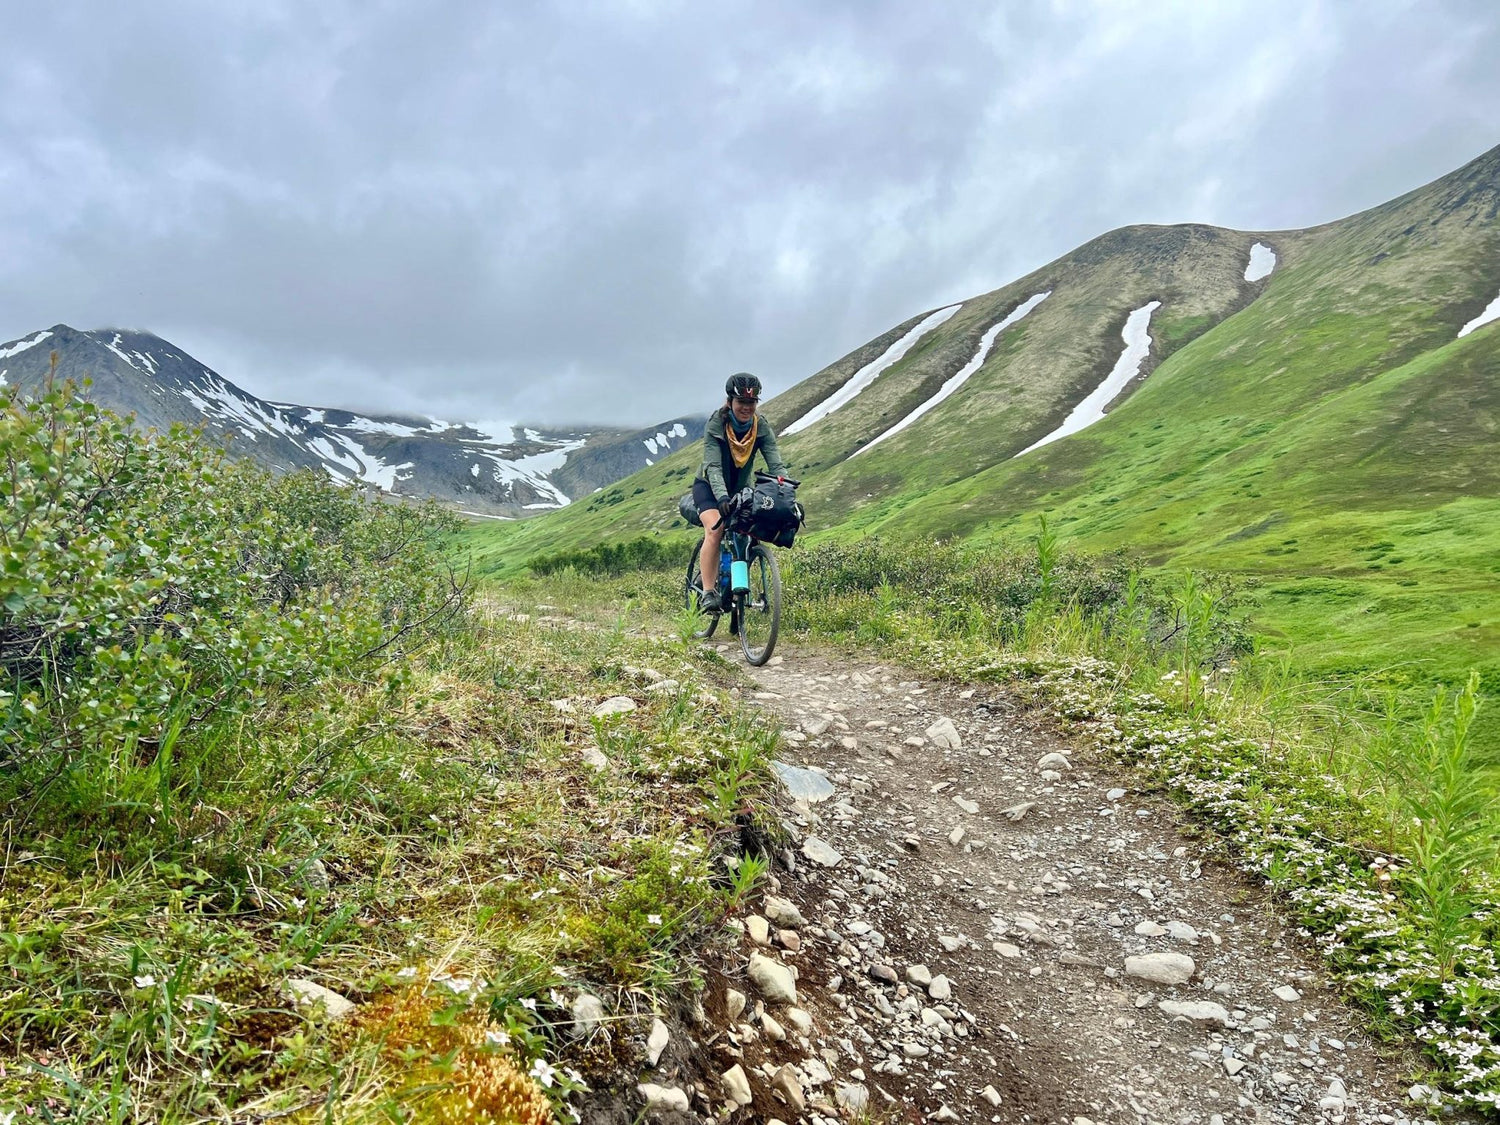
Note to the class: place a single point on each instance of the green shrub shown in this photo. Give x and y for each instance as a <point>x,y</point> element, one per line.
<point>614,559</point>
<point>150,586</point>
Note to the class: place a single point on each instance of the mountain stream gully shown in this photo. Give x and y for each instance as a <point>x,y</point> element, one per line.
<point>987,923</point>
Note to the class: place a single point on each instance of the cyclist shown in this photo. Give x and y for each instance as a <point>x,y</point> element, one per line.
<point>734,434</point>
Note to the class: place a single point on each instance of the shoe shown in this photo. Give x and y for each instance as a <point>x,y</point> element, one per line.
<point>708,602</point>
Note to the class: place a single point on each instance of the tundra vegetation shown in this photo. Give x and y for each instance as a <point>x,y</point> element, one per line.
<point>259,734</point>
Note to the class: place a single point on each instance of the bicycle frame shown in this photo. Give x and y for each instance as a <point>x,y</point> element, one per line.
<point>738,544</point>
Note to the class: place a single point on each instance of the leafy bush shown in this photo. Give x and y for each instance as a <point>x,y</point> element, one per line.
<point>148,585</point>
<point>614,559</point>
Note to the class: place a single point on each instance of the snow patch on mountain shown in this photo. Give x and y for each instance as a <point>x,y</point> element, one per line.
<point>1091,409</point>
<point>868,373</point>
<point>661,442</point>
<point>501,433</point>
<point>532,470</point>
<point>986,342</point>
<point>21,345</point>
<point>1262,262</point>
<point>370,426</point>
<point>1491,312</point>
<point>114,346</point>
<point>221,403</point>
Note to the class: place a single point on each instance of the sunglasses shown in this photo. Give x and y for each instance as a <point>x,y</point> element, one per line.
<point>741,401</point>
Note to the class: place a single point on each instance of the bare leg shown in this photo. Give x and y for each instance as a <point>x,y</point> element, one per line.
<point>708,558</point>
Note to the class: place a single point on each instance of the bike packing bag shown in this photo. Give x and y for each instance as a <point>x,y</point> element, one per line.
<point>773,514</point>
<point>687,508</point>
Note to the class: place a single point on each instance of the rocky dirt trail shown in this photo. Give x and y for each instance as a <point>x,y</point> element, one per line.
<point>986,924</point>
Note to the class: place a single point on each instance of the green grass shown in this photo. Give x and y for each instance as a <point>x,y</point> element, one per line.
<point>370,837</point>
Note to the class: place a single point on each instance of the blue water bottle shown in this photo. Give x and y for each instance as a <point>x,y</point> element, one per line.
<point>724,562</point>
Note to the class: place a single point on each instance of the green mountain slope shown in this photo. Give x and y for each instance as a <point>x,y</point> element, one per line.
<point>1323,428</point>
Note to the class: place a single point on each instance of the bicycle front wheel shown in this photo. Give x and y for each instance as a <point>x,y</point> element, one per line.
<point>760,610</point>
<point>693,587</point>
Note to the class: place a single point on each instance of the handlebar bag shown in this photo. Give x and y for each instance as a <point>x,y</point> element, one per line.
<point>773,514</point>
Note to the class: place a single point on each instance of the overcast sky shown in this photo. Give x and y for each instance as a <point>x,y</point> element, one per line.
<point>593,212</point>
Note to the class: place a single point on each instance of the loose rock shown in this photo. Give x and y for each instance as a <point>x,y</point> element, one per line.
<point>588,1013</point>
<point>657,1041</point>
<point>737,1085</point>
<point>310,993</point>
<point>614,705</point>
<point>773,979</point>
<point>663,1097</point>
<point>734,1003</point>
<point>1200,1011</point>
<point>1162,968</point>
<point>821,852</point>
<point>783,912</point>
<point>944,734</point>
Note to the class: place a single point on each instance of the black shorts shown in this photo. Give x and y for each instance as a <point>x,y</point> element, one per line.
<point>703,497</point>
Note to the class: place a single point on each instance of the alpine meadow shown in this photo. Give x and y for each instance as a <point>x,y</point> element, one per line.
<point>1172,566</point>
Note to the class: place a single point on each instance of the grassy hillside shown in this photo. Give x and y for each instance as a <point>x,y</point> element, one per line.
<point>1322,431</point>
<point>296,831</point>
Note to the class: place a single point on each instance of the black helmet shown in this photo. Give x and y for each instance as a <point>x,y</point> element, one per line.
<point>742,385</point>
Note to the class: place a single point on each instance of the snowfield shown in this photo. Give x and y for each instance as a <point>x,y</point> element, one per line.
<point>532,470</point>
<point>987,341</point>
<point>868,373</point>
<point>21,345</point>
<point>1262,262</point>
<point>1491,312</point>
<point>1091,409</point>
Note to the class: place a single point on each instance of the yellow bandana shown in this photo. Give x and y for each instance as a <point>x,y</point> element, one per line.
<point>741,449</point>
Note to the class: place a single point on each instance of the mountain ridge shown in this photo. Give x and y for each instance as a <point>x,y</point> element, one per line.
<point>513,471</point>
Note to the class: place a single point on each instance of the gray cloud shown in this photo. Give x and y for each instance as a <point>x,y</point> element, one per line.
<point>593,211</point>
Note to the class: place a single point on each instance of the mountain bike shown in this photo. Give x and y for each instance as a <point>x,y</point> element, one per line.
<point>749,583</point>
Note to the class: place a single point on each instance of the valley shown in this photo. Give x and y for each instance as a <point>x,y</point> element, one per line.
<point>1316,412</point>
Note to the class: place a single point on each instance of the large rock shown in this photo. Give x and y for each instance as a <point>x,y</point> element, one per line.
<point>772,979</point>
<point>614,705</point>
<point>1162,968</point>
<point>789,1086</point>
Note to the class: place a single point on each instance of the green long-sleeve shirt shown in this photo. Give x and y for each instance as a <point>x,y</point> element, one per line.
<point>718,467</point>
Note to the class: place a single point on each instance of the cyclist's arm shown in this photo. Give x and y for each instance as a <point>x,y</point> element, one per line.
<point>772,452</point>
<point>713,460</point>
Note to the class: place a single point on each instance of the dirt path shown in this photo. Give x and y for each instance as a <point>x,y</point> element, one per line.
<point>1020,884</point>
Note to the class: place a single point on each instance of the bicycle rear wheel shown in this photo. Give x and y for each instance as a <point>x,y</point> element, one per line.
<point>760,609</point>
<point>692,588</point>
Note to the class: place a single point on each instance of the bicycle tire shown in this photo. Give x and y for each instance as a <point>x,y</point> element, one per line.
<point>760,609</point>
<point>692,587</point>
